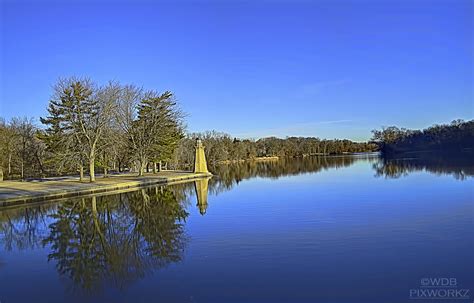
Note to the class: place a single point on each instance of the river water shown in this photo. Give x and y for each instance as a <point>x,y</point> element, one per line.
<point>318,229</point>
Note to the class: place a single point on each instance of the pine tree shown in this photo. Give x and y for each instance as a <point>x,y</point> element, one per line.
<point>157,129</point>
<point>79,112</point>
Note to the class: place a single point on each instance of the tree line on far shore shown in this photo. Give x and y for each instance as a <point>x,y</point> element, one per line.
<point>221,147</point>
<point>456,137</point>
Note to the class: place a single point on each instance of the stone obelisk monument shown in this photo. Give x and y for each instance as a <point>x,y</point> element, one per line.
<point>200,165</point>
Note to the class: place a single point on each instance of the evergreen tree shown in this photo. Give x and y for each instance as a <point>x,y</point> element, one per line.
<point>78,117</point>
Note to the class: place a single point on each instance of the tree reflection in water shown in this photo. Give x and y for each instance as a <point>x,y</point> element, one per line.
<point>119,238</point>
<point>23,228</point>
<point>460,167</point>
<point>227,176</point>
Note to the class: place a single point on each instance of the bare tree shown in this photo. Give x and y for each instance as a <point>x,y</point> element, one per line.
<point>81,111</point>
<point>7,147</point>
<point>125,115</point>
<point>24,131</point>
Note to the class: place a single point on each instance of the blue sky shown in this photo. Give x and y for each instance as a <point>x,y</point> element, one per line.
<point>333,69</point>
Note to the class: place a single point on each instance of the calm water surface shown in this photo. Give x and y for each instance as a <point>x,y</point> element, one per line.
<point>334,229</point>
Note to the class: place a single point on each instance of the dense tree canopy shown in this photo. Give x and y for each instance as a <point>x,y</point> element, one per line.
<point>455,137</point>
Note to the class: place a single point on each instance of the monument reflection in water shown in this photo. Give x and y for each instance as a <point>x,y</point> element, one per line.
<point>109,242</point>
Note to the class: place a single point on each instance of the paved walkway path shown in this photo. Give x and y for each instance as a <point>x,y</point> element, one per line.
<point>17,192</point>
